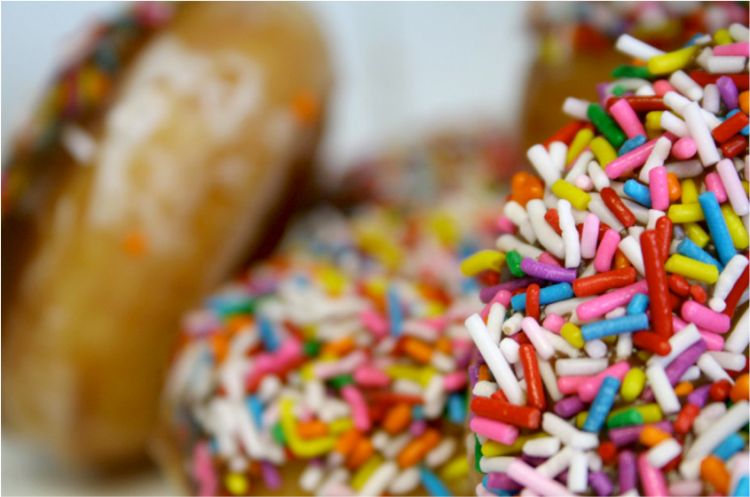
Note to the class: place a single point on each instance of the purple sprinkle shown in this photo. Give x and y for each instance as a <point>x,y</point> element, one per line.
<point>501,481</point>
<point>533,460</point>
<point>547,272</point>
<point>679,366</point>
<point>563,477</point>
<point>699,396</point>
<point>271,476</point>
<point>474,374</point>
<point>417,427</point>
<point>629,434</point>
<point>569,406</point>
<point>487,294</point>
<point>728,91</point>
<point>601,483</point>
<point>627,472</point>
<point>602,91</point>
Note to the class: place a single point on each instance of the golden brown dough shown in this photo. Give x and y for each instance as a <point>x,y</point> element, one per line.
<point>170,188</point>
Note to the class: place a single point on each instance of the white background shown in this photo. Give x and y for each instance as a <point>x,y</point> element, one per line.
<point>401,69</point>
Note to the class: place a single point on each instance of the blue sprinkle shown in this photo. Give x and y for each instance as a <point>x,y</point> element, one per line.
<point>717,227</point>
<point>601,405</point>
<point>417,412</point>
<point>694,39</point>
<point>255,407</point>
<point>638,192</point>
<point>743,487</point>
<point>615,326</point>
<point>688,248</point>
<point>638,304</point>
<point>267,334</point>
<point>729,447</point>
<point>632,144</point>
<point>547,295</point>
<point>395,314</point>
<point>432,483</point>
<point>456,408</point>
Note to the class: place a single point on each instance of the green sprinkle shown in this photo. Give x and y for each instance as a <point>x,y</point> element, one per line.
<point>606,125</point>
<point>311,348</point>
<point>618,90</point>
<point>630,417</point>
<point>477,454</point>
<point>513,261</point>
<point>341,381</point>
<point>278,434</point>
<point>626,71</point>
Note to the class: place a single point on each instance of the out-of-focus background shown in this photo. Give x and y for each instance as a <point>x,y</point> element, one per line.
<point>401,70</point>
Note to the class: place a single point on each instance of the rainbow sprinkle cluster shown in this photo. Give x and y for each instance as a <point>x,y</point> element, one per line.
<point>344,357</point>
<point>80,90</point>
<point>612,356</point>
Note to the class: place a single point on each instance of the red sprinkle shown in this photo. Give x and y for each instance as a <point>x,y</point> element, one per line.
<point>679,285</point>
<point>664,235</point>
<point>703,78</point>
<point>615,204</point>
<point>720,390</point>
<point>640,104</point>
<point>685,418</point>
<point>608,452</point>
<point>534,388</point>
<point>599,283</point>
<point>658,287</point>
<point>521,416</point>
<point>651,342</point>
<point>532,301</point>
<point>698,293</point>
<point>736,293</point>
<point>553,219</point>
<point>734,146</point>
<point>566,133</point>
<point>730,127</point>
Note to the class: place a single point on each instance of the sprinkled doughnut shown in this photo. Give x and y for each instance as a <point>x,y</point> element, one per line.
<point>147,174</point>
<point>620,363</point>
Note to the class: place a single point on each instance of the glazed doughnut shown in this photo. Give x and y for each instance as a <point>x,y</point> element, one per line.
<point>158,160</point>
<point>339,365</point>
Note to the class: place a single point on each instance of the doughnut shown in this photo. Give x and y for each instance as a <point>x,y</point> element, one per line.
<point>574,48</point>
<point>618,364</point>
<point>338,365</point>
<point>159,159</point>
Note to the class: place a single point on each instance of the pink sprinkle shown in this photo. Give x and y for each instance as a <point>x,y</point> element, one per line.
<point>714,184</point>
<point>684,148</point>
<point>599,306</point>
<point>359,407</point>
<point>652,479</point>
<point>571,384</point>
<point>369,376</point>
<point>662,87</point>
<point>741,48</point>
<point>553,322</point>
<point>505,225</point>
<point>494,430</point>
<point>584,183</point>
<point>657,178</point>
<point>706,318</point>
<point>203,470</point>
<point>548,259</point>
<point>630,161</point>
<point>606,251</point>
<point>502,297</point>
<point>588,389</point>
<point>627,118</point>
<point>589,236</point>
<point>374,323</point>
<point>713,341</point>
<point>685,488</point>
<point>454,381</point>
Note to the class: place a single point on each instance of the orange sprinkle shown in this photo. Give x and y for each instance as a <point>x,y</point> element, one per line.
<point>673,185</point>
<point>347,441</point>
<point>220,346</point>
<point>312,429</point>
<point>621,262</point>
<point>741,389</point>
<point>484,373</point>
<point>525,187</point>
<point>339,347</point>
<point>714,472</point>
<point>743,102</point>
<point>306,107</point>
<point>684,388</point>
<point>361,453</point>
<point>651,436</point>
<point>135,243</point>
<point>397,418</point>
<point>418,448</point>
<point>417,350</point>
<point>443,344</point>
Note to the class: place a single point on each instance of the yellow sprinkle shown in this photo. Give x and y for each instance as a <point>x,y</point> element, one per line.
<point>685,213</point>
<point>602,150</point>
<point>579,143</point>
<point>380,246</point>
<point>492,449</point>
<point>456,468</point>
<point>690,268</point>
<point>573,335</point>
<point>236,483</point>
<point>307,372</point>
<point>482,261</point>
<point>736,227</point>
<point>365,471</point>
<point>697,234</point>
<point>332,280</point>
<point>581,419</point>
<point>722,37</point>
<point>746,186</point>
<point>653,121</point>
<point>445,228</point>
<point>339,426</point>
<point>651,413</point>
<point>421,376</point>
<point>577,197</point>
<point>434,309</point>
<point>302,448</point>
<point>672,61</point>
<point>689,191</point>
<point>632,384</point>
